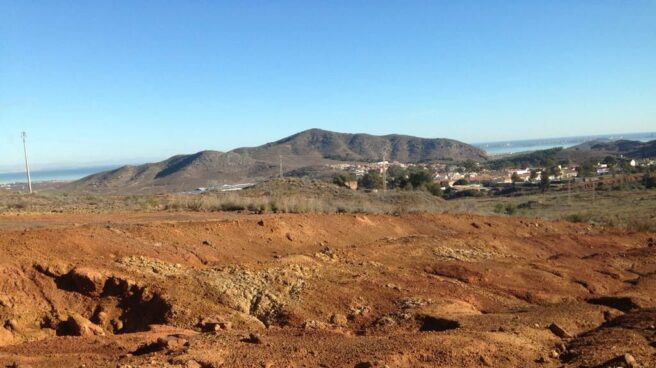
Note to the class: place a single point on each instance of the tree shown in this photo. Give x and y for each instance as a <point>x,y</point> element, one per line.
<point>586,169</point>
<point>611,161</point>
<point>396,177</point>
<point>555,171</point>
<point>435,189</point>
<point>544,180</point>
<point>461,182</point>
<point>534,174</point>
<point>515,178</point>
<point>371,180</point>
<point>419,178</point>
<point>649,181</point>
<point>342,179</point>
<point>470,165</point>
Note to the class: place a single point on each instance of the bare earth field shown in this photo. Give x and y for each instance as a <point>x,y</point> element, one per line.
<point>213,289</point>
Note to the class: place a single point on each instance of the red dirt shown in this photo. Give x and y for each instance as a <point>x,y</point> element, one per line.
<point>419,290</point>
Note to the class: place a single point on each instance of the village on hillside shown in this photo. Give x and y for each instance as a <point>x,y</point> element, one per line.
<point>471,175</point>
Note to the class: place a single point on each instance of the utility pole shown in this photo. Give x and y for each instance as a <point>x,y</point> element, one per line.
<point>280,157</point>
<point>384,170</point>
<point>27,165</point>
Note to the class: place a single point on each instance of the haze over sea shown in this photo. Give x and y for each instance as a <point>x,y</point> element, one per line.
<point>509,147</point>
<point>492,148</point>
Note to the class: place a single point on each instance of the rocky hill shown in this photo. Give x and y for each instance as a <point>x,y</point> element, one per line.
<point>310,148</point>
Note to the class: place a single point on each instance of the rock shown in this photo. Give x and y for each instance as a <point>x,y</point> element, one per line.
<point>289,237</point>
<point>84,280</point>
<point>364,365</point>
<point>213,325</point>
<point>485,361</point>
<point>102,318</point>
<point>314,325</point>
<point>554,354</point>
<point>6,337</point>
<point>338,320</point>
<point>18,365</point>
<point>11,324</point>
<point>52,269</point>
<point>192,364</point>
<point>117,324</point>
<point>76,325</point>
<point>260,223</point>
<point>560,347</point>
<point>207,242</point>
<point>630,360</point>
<point>622,361</point>
<point>172,343</point>
<point>5,301</point>
<point>385,321</point>
<point>253,338</point>
<point>559,331</point>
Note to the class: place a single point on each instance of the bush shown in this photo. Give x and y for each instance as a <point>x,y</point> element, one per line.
<point>371,180</point>
<point>434,189</point>
<point>341,179</point>
<point>507,208</point>
<point>575,217</point>
<point>232,206</point>
<point>649,181</point>
<point>511,209</point>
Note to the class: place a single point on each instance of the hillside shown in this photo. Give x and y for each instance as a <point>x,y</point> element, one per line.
<point>601,149</point>
<point>309,148</point>
<point>593,150</point>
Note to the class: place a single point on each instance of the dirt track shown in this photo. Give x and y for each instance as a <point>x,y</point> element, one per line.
<point>418,290</point>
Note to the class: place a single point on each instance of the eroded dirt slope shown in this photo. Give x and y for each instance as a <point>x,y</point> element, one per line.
<point>419,290</point>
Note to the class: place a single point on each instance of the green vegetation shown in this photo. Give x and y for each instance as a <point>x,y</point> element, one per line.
<point>471,165</point>
<point>413,178</point>
<point>545,182</point>
<point>515,178</point>
<point>586,169</point>
<point>398,178</point>
<point>371,180</point>
<point>507,208</point>
<point>543,158</point>
<point>649,180</point>
<point>343,178</point>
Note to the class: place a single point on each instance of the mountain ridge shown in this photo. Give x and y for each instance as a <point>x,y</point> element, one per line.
<point>310,147</point>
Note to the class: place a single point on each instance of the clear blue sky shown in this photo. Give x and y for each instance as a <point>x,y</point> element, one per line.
<point>124,81</point>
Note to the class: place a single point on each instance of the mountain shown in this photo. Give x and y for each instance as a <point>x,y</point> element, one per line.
<point>310,148</point>
<point>600,149</point>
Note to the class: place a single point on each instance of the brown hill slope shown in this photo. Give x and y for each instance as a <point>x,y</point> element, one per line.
<point>308,148</point>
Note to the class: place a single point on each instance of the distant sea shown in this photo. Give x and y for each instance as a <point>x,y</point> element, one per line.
<point>509,147</point>
<point>53,175</point>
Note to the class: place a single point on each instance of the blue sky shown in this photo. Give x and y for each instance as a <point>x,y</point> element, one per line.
<point>127,81</point>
